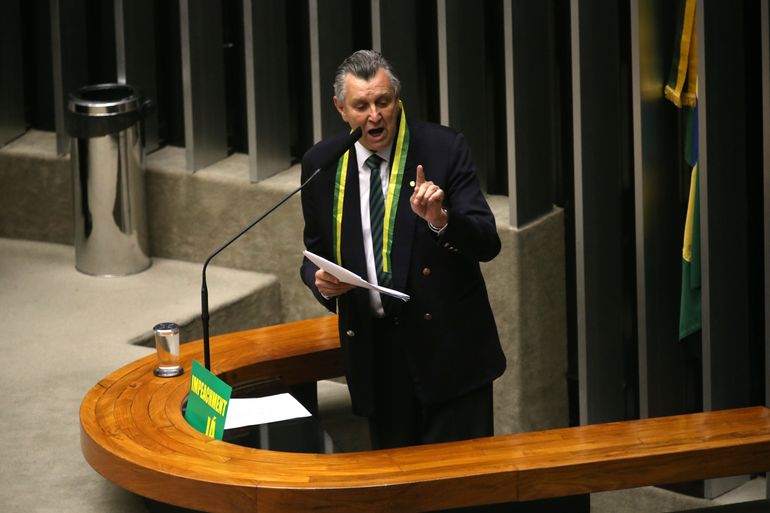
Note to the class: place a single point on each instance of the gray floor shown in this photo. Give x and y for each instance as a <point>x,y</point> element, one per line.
<point>62,331</point>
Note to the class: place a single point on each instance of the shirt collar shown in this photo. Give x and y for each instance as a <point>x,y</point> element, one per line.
<point>362,154</point>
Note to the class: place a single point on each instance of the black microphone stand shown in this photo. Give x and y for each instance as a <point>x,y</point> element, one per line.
<point>354,136</point>
<point>204,289</point>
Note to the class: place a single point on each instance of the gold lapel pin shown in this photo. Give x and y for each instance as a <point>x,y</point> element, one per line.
<point>411,183</point>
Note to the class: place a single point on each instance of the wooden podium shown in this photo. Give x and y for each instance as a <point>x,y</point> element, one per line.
<point>134,434</point>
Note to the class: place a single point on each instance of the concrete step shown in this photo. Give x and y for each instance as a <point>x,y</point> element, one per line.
<point>651,499</point>
<point>169,291</point>
<point>761,506</point>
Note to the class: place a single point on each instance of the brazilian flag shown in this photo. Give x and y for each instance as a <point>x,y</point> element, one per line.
<point>690,300</point>
<point>684,71</point>
<point>684,65</point>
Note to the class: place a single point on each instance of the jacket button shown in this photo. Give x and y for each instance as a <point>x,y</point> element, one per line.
<point>350,333</point>
<point>426,271</point>
<point>427,317</point>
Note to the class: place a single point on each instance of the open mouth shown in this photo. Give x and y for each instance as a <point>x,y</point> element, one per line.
<point>376,131</point>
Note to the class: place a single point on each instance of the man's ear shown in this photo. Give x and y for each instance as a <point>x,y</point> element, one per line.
<point>340,109</point>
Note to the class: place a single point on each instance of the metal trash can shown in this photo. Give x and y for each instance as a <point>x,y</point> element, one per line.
<point>107,155</point>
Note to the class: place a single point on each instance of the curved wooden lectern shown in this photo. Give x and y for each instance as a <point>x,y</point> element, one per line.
<point>134,434</point>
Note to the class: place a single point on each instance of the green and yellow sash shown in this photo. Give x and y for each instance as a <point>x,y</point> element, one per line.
<point>391,201</point>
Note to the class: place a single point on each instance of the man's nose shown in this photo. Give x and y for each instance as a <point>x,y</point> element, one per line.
<point>374,114</point>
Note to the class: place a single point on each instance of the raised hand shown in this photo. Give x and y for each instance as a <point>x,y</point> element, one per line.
<point>427,200</point>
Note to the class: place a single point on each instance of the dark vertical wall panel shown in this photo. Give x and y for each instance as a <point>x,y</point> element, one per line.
<point>724,164</point>
<point>266,88</point>
<point>467,80</point>
<point>765,50</point>
<point>407,39</point>
<point>12,123</point>
<point>603,211</point>
<point>496,95</point>
<point>723,168</point>
<point>99,26</point>
<point>69,51</point>
<point>136,61</point>
<point>169,58</point>
<point>38,67</point>
<point>335,42</point>
<point>534,90</point>
<point>233,27</point>
<point>300,85</point>
<point>203,82</point>
<point>754,198</point>
<point>664,383</point>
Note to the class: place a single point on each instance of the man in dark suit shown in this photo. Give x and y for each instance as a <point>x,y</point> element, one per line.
<point>403,208</point>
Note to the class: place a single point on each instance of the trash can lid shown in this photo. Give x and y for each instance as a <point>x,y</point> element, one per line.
<point>104,100</point>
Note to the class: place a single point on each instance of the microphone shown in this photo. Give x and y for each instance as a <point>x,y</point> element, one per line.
<point>348,143</point>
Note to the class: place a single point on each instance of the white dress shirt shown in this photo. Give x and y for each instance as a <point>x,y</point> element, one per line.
<point>363,186</point>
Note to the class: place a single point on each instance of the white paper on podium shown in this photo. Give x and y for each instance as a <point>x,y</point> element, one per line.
<point>346,276</point>
<point>261,410</point>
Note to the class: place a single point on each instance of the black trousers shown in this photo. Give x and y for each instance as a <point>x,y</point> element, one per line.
<point>400,420</point>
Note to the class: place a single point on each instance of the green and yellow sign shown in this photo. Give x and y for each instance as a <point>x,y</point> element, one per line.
<point>207,403</point>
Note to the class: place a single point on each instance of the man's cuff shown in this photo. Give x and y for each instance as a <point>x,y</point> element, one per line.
<point>438,231</point>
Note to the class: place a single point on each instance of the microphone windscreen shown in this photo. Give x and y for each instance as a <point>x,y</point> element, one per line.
<point>354,136</point>
<point>349,141</point>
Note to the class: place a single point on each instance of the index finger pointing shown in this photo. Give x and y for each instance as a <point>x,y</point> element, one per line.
<point>420,176</point>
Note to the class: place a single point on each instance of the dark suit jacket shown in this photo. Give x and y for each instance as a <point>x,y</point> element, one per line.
<point>447,327</point>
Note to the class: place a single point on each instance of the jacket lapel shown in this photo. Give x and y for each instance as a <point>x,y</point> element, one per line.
<point>353,257</point>
<point>403,233</point>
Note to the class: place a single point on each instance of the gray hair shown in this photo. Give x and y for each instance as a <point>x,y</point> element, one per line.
<point>363,64</point>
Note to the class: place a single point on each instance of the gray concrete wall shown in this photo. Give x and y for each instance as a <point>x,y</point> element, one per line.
<point>190,215</point>
<point>35,190</point>
<point>526,283</point>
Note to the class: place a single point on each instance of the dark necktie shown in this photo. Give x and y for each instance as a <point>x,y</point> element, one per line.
<point>377,215</point>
